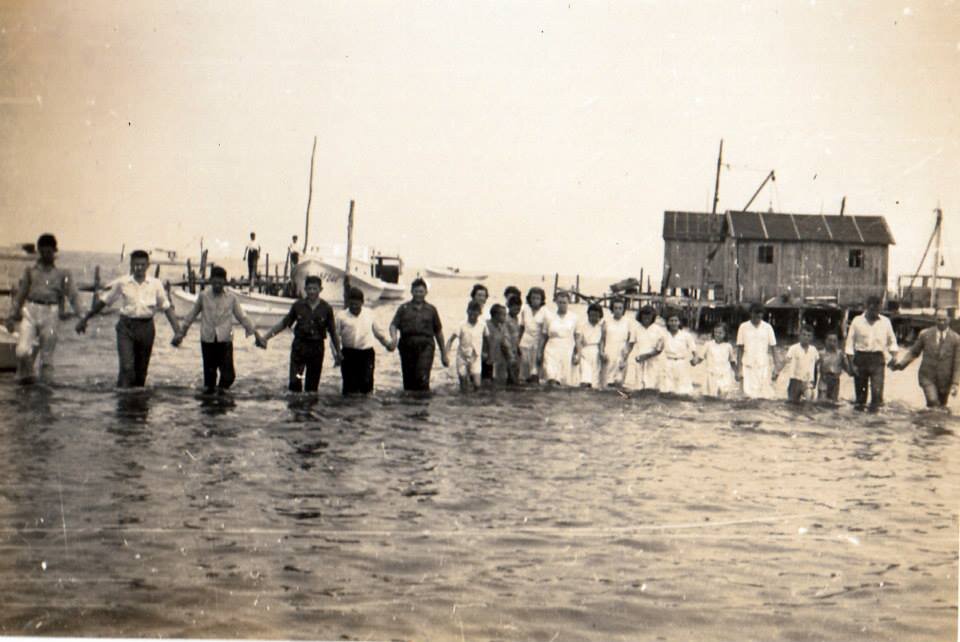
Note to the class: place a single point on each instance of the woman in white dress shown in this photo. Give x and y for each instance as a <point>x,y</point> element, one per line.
<point>558,344</point>
<point>679,353</point>
<point>532,317</point>
<point>719,358</point>
<point>615,344</point>
<point>591,334</point>
<point>643,364</point>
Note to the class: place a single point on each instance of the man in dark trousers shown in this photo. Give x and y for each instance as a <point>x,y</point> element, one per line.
<point>939,373</point>
<point>252,256</point>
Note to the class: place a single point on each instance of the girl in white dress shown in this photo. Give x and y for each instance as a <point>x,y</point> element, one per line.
<point>615,344</point>
<point>558,345</point>
<point>591,333</point>
<point>643,364</point>
<point>719,359</point>
<point>532,317</point>
<point>679,353</point>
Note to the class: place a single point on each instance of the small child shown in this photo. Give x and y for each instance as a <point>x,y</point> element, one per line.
<point>469,354</point>
<point>590,334</point>
<point>498,351</point>
<point>802,359</point>
<point>720,359</point>
<point>513,336</point>
<point>832,362</point>
<point>679,353</point>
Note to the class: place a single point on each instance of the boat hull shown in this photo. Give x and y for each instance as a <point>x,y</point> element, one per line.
<point>332,278</point>
<point>446,273</point>
<point>263,313</point>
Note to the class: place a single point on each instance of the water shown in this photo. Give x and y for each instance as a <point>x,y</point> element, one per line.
<point>514,515</point>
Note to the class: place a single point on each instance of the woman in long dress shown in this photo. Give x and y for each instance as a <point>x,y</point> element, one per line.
<point>679,353</point>
<point>616,343</point>
<point>532,317</point>
<point>591,334</point>
<point>558,345</point>
<point>643,364</point>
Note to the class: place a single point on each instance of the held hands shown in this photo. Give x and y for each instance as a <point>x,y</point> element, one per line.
<point>81,325</point>
<point>177,339</point>
<point>337,357</point>
<point>444,359</point>
<point>259,340</point>
<point>10,323</point>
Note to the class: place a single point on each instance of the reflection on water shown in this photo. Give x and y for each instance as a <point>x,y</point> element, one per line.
<point>520,514</point>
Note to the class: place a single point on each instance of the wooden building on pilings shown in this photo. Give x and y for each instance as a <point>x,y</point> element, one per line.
<point>806,268</point>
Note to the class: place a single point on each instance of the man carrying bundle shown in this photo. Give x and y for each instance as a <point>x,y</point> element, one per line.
<point>38,308</point>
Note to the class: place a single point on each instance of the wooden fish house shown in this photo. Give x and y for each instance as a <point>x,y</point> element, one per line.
<point>793,259</point>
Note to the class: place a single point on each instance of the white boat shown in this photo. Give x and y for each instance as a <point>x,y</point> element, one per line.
<point>332,277</point>
<point>265,311</point>
<point>372,266</point>
<point>453,273</point>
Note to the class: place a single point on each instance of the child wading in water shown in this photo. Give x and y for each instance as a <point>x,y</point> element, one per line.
<point>802,359</point>
<point>679,353</point>
<point>469,353</point>
<point>591,334</point>
<point>513,336</point>
<point>832,362</point>
<point>720,359</point>
<point>499,352</point>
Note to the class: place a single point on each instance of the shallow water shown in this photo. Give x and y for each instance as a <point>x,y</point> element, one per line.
<point>514,515</point>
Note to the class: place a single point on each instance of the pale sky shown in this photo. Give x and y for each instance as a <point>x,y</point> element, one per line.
<point>505,136</point>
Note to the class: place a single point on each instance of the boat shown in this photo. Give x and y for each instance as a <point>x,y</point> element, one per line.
<point>453,273</point>
<point>332,277</point>
<point>8,350</point>
<point>265,311</point>
<point>383,270</point>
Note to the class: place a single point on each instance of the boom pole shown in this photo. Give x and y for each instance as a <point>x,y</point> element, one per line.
<point>306,225</point>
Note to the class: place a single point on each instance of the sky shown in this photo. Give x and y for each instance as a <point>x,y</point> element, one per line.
<point>506,136</point>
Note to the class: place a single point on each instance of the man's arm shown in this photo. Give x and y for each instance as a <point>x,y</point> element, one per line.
<point>285,322</point>
<point>16,312</point>
<point>187,322</point>
<point>334,338</point>
<point>955,379</point>
<point>381,337</point>
<point>73,295</point>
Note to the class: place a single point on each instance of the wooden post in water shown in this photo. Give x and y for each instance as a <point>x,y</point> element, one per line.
<point>556,282</point>
<point>346,270</point>
<point>266,270</point>
<point>203,269</point>
<point>577,293</point>
<point>191,284</point>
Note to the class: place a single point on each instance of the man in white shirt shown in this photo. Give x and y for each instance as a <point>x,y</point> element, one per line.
<point>357,330</point>
<point>141,297</point>
<point>293,251</point>
<point>872,344</point>
<point>251,254</point>
<point>756,360</point>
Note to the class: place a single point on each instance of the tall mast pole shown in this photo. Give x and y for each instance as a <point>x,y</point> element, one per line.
<point>716,187</point>
<point>936,258</point>
<point>306,225</point>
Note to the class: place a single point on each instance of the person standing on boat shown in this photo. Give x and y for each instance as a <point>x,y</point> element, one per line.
<point>939,373</point>
<point>38,309</point>
<point>141,297</point>
<point>312,320</point>
<point>872,344</point>
<point>293,251</point>
<point>756,361</point>
<point>252,256</point>
<point>418,326</point>
<point>357,329</point>
<point>219,309</point>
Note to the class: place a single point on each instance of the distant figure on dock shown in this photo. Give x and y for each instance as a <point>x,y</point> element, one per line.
<point>801,366</point>
<point>312,320</point>
<point>832,363</point>
<point>251,255</point>
<point>643,364</point>
<point>38,309</point>
<point>939,373</point>
<point>293,251</point>
<point>418,326</point>
<point>499,348</point>
<point>470,334</point>
<point>513,336</point>
<point>559,350</point>
<point>218,309</point>
<point>141,297</point>
<point>872,344</point>
<point>719,359</point>
<point>616,344</point>
<point>532,318</point>
<point>756,361</point>
<point>679,353</point>
<point>357,329</point>
<point>591,335</point>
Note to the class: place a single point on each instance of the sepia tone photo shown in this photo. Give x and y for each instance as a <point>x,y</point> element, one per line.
<point>548,320</point>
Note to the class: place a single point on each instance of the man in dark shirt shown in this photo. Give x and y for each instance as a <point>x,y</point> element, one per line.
<point>418,325</point>
<point>312,320</point>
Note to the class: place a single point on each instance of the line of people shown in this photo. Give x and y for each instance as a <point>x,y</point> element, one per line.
<point>517,344</point>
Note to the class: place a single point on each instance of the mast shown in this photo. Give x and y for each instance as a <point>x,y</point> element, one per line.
<point>306,225</point>
<point>937,249</point>
<point>716,186</point>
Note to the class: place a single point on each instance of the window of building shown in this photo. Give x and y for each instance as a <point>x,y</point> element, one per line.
<point>856,258</point>
<point>765,254</point>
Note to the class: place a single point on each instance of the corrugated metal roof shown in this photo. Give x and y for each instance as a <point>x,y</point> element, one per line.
<point>866,230</point>
<point>692,226</point>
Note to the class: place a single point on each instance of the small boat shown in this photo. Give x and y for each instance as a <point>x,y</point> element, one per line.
<point>332,277</point>
<point>8,350</point>
<point>453,273</point>
<point>265,311</point>
<point>381,269</point>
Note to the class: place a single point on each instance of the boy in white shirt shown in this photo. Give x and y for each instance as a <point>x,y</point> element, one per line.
<point>469,354</point>
<point>357,330</point>
<point>801,365</point>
